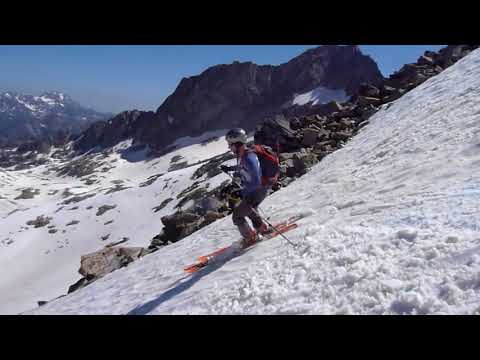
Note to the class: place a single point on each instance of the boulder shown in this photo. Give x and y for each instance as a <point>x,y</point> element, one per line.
<point>40,221</point>
<point>368,90</point>
<point>309,137</point>
<point>28,194</point>
<point>425,60</point>
<point>207,205</point>
<point>341,135</point>
<point>179,225</point>
<point>100,263</point>
<point>212,216</point>
<point>367,100</point>
<point>104,208</point>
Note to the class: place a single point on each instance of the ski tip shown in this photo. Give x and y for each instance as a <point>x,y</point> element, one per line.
<point>191,269</point>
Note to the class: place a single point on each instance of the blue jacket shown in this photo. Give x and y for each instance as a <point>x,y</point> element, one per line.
<point>250,173</point>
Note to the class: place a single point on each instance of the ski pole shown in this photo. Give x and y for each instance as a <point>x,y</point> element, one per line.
<point>274,228</point>
<point>261,217</point>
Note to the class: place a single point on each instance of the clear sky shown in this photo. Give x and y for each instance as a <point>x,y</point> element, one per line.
<point>117,78</point>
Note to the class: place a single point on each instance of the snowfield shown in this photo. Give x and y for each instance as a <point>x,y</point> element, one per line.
<point>320,95</point>
<point>42,265</point>
<point>391,226</point>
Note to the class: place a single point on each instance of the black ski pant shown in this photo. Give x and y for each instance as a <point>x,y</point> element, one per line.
<point>248,207</point>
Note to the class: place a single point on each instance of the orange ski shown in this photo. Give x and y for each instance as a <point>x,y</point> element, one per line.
<point>205,260</point>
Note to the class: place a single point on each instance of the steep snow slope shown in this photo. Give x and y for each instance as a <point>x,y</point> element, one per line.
<point>392,227</point>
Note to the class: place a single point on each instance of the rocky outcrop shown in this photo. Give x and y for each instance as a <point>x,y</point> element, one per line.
<point>40,221</point>
<point>104,208</point>
<point>28,194</point>
<point>100,263</point>
<point>120,127</point>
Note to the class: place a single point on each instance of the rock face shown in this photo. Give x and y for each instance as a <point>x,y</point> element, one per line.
<point>237,94</point>
<point>240,94</point>
<point>109,133</point>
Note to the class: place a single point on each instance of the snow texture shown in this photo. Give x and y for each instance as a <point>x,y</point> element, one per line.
<point>320,95</point>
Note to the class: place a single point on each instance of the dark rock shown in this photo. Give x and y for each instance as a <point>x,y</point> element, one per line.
<point>212,166</point>
<point>76,198</point>
<point>310,137</point>
<point>178,166</point>
<point>212,216</point>
<point>425,60</point>
<point>79,284</point>
<point>40,221</point>
<point>151,180</point>
<point>341,136</point>
<point>104,208</point>
<point>176,158</point>
<point>73,222</point>
<point>79,168</point>
<point>28,194</point>
<point>368,90</point>
<point>117,188</point>
<point>180,225</point>
<point>162,205</point>
<point>395,95</point>
<point>365,100</point>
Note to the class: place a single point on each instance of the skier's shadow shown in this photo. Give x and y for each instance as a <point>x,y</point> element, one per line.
<point>149,306</point>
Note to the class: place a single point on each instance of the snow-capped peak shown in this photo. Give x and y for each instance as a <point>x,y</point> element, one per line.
<point>30,110</point>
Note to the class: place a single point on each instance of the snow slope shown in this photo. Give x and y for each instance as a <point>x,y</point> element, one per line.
<point>42,265</point>
<point>320,95</point>
<point>392,227</point>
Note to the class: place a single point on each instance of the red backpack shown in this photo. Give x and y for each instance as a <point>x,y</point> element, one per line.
<point>269,164</point>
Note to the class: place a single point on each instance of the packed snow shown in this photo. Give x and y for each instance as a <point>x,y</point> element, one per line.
<point>391,226</point>
<point>320,95</point>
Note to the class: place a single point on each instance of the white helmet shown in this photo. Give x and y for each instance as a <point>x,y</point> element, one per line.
<point>236,135</point>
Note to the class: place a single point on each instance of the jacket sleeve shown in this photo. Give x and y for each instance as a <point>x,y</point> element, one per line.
<point>253,168</point>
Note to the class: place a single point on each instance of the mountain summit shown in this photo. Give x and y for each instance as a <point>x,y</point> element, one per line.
<point>242,94</point>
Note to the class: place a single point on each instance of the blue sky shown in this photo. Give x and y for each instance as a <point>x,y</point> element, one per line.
<point>117,78</point>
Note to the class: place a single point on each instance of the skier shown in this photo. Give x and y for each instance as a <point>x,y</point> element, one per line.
<point>253,190</point>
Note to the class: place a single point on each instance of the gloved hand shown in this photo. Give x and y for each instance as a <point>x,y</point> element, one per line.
<point>225,168</point>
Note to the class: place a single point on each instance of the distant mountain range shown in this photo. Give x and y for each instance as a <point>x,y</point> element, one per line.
<point>26,117</point>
